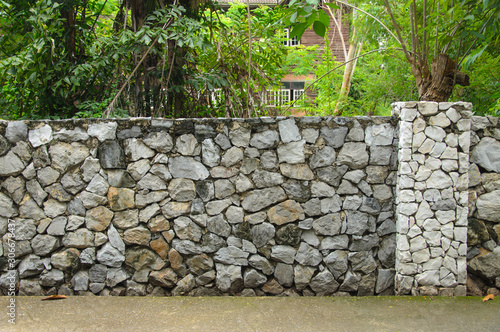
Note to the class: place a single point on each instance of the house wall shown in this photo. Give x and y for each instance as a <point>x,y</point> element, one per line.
<point>262,206</point>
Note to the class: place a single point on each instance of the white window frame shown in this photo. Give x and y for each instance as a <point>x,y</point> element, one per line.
<point>290,41</point>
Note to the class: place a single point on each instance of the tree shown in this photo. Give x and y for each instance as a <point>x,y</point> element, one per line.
<point>435,38</point>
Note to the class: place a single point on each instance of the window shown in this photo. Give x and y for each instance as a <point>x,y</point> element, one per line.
<point>288,92</point>
<point>289,41</point>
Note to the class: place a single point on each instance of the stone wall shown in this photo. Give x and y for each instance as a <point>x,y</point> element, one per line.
<point>265,206</point>
<point>432,198</point>
<point>484,207</point>
<point>201,207</point>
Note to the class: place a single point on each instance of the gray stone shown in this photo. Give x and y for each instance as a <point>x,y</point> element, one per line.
<point>135,149</point>
<point>321,189</point>
<point>231,256</point>
<point>115,277</point>
<point>331,174</point>
<point>30,265</point>
<point>324,283</point>
<point>80,281</point>
<point>353,155</point>
<point>337,262</point>
<point>366,242</point>
<point>184,286</point>
<point>303,275</point>
<point>240,136</point>
<point>223,188</point>
<point>307,255</point>
<point>292,153</point>
<point>187,167</point>
<point>334,137</point>
<point>323,157</point>
<point>51,278</point>
<point>265,140</point>
<point>126,219</point>
<point>258,199</point>
<point>310,135</point>
<point>380,155</point>
<point>103,130</point>
<point>262,264</point>
<point>160,141</point>
<point>362,261</point>
<point>186,229</point>
<point>284,274</point>
<point>200,264</point>
<point>187,145</point>
<point>27,209</point>
<point>385,279</point>
<point>187,247</point>
<point>284,254</point>
<point>90,200</point>
<point>232,156</point>
<point>44,244</point>
<point>7,207</point>
<point>66,260</point>
<point>138,169</point>
<point>98,273</point>
<point>88,256</point>
<point>229,278</point>
<point>115,239</point>
<point>253,278</point>
<point>133,132</point>
<point>24,229</point>
<point>235,215</point>
<point>263,179</point>
<point>387,251</point>
<point>381,134</point>
<point>57,226</point>
<point>486,265</point>
<point>334,242</point>
<point>488,206</point>
<point>212,243</point>
<point>218,225</point>
<point>65,155</point>
<point>297,190</point>
<point>262,233</point>
<point>210,153</point>
<point>223,141</point>
<point>328,225</point>
<point>10,164</point>
<point>486,153</point>
<point>110,256</point>
<point>29,287</point>
<point>16,131</point>
<point>351,282</point>
<point>289,131</point>
<point>269,160</point>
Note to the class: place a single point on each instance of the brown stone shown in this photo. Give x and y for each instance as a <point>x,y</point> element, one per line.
<point>175,259</point>
<point>121,198</point>
<point>66,260</point>
<point>98,219</point>
<point>285,212</point>
<point>175,209</point>
<point>272,287</point>
<point>160,246</point>
<point>164,278</point>
<point>158,224</point>
<point>138,235</point>
<point>297,171</point>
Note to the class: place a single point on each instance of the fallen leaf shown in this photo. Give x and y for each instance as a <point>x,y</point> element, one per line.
<point>54,297</point>
<point>488,297</point>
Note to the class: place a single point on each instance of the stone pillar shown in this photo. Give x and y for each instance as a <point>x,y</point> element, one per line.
<point>432,197</point>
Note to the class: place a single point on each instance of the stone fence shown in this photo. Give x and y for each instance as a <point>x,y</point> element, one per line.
<point>261,206</point>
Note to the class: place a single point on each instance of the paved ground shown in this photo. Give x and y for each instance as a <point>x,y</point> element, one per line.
<point>253,314</point>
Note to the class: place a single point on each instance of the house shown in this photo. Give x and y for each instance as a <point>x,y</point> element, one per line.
<point>291,86</point>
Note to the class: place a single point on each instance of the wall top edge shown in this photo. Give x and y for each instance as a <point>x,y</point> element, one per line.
<point>162,121</point>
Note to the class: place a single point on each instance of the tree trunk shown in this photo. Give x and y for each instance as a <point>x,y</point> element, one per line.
<point>444,76</point>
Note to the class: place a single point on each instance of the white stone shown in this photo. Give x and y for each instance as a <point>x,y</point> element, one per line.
<point>428,108</point>
<point>453,115</point>
<point>439,180</point>
<point>103,131</point>
<point>426,146</point>
<point>438,149</point>
<point>435,133</point>
<point>405,135</point>
<point>440,120</point>
<point>419,125</point>
<point>460,234</point>
<point>382,134</point>
<point>40,136</point>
